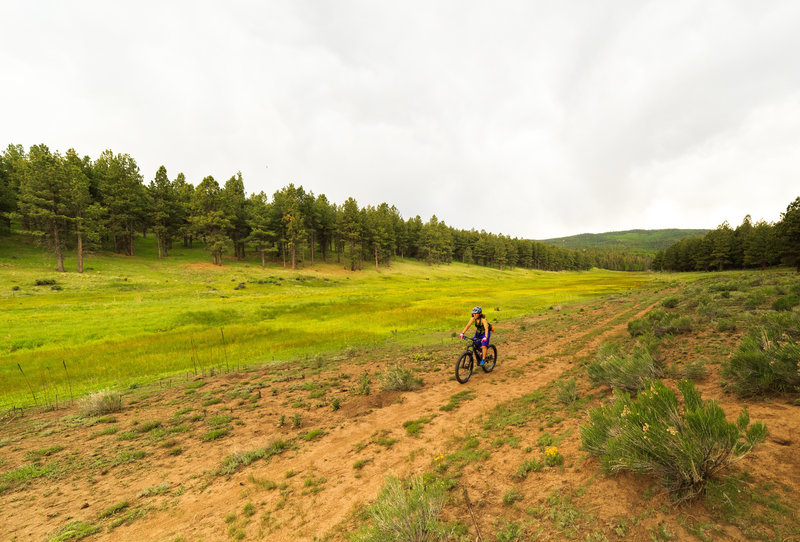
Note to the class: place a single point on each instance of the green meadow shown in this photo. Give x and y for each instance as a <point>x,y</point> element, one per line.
<point>128,320</point>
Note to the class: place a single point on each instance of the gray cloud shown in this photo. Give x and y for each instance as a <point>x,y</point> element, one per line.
<point>528,118</point>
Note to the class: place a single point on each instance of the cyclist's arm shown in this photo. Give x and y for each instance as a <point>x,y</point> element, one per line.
<point>468,324</point>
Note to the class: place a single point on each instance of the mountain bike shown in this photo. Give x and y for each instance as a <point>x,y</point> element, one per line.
<point>467,360</point>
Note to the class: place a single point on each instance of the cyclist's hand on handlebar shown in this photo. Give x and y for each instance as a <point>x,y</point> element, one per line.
<point>460,335</point>
<point>484,340</point>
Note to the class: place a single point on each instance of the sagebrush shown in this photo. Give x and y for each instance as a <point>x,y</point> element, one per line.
<point>766,362</point>
<point>407,512</point>
<point>101,402</point>
<point>398,378</point>
<point>683,446</point>
<point>626,372</point>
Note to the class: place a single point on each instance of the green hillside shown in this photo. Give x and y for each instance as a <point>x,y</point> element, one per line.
<point>634,240</point>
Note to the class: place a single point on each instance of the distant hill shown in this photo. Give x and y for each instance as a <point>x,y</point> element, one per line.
<point>649,241</point>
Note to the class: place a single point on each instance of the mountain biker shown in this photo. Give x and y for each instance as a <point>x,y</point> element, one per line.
<point>483,331</point>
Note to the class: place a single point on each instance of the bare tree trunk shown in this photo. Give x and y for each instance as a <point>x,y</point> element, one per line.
<point>80,251</point>
<point>376,257</point>
<point>294,256</point>
<point>59,255</point>
<point>128,240</point>
<point>312,249</point>
<point>263,263</point>
<point>158,243</point>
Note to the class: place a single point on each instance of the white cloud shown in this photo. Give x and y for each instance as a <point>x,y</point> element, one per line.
<point>532,119</point>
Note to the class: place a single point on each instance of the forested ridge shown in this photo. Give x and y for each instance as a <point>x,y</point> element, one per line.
<point>749,245</point>
<point>70,202</point>
<point>644,241</point>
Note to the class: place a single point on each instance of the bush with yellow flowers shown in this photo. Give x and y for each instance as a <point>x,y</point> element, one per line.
<point>683,446</point>
<point>553,457</point>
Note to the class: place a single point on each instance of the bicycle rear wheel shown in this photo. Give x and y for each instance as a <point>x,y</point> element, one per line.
<point>464,367</point>
<point>491,358</point>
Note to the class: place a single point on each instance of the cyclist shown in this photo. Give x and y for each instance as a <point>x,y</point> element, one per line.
<point>483,331</point>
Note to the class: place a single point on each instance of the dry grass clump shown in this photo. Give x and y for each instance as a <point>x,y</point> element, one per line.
<point>398,378</point>
<point>101,402</point>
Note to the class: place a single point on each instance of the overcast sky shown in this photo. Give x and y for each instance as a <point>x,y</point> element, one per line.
<point>533,119</point>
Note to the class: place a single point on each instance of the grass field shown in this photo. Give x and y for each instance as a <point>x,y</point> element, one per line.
<point>131,319</point>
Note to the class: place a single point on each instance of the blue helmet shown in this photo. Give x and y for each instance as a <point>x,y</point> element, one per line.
<point>477,310</point>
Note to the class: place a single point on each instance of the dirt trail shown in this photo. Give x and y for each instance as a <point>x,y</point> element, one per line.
<point>333,457</point>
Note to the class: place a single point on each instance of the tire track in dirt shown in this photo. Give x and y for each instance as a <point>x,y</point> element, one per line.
<point>304,517</point>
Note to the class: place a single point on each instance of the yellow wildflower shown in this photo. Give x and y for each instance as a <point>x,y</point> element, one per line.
<point>551,451</point>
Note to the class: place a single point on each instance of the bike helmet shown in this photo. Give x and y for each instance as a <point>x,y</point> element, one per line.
<point>477,310</point>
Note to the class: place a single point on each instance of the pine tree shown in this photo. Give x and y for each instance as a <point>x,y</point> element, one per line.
<point>233,202</point>
<point>261,236</point>
<point>209,220</point>
<point>123,194</point>
<point>85,215</point>
<point>43,196</point>
<point>788,230</point>
<point>164,208</point>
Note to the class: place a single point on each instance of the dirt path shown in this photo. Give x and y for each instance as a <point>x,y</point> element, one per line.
<point>333,456</point>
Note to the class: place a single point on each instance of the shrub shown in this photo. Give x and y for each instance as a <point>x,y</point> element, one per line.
<point>45,282</point>
<point>638,327</point>
<point>624,372</point>
<point>363,384</point>
<point>101,402</point>
<point>670,302</point>
<point>785,303</point>
<point>216,434</point>
<point>75,530</point>
<point>511,496</point>
<point>723,287</point>
<point>406,511</point>
<point>659,323</point>
<point>565,391</point>
<point>553,457</point>
<point>725,325</point>
<point>695,370</point>
<point>397,378</point>
<point>529,465</point>
<point>237,460</point>
<point>767,361</point>
<point>754,300</point>
<point>684,447</point>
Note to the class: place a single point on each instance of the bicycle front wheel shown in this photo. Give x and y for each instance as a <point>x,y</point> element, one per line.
<point>464,367</point>
<point>491,358</point>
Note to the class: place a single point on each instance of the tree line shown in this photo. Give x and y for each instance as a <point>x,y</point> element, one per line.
<point>71,202</point>
<point>749,245</point>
